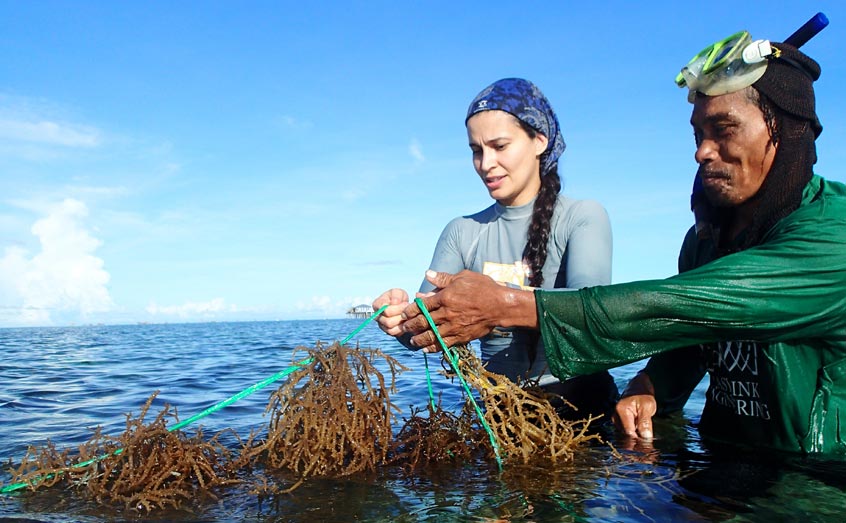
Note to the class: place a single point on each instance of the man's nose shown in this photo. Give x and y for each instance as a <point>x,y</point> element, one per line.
<point>705,151</point>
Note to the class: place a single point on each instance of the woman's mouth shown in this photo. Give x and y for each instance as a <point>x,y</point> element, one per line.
<point>494,182</point>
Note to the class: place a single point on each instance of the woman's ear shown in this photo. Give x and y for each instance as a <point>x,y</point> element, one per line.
<point>541,142</point>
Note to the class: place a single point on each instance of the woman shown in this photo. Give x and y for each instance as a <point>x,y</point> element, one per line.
<point>530,237</point>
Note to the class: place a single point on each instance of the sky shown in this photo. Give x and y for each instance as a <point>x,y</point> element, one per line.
<point>227,161</point>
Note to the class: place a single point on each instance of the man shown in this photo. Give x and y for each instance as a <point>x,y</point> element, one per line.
<point>760,301</point>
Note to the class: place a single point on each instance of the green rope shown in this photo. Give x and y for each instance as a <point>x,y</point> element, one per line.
<point>364,323</point>
<point>429,383</point>
<point>452,357</point>
<point>214,408</point>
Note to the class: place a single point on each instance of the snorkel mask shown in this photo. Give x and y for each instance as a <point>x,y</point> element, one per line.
<point>737,62</point>
<point>726,66</point>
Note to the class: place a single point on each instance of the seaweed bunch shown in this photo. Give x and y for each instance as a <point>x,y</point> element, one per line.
<point>146,468</point>
<point>440,437</point>
<point>44,467</point>
<point>333,417</point>
<point>523,419</point>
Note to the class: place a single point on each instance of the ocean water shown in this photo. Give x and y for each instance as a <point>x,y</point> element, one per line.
<point>58,384</point>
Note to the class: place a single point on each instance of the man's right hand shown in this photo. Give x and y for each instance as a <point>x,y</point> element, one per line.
<point>634,411</point>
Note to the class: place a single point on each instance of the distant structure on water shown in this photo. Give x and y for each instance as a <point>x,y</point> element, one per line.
<point>360,311</point>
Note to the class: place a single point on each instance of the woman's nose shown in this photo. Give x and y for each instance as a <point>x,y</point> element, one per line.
<point>488,160</point>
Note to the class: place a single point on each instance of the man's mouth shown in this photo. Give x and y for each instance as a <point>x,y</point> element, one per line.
<point>714,179</point>
<point>713,175</point>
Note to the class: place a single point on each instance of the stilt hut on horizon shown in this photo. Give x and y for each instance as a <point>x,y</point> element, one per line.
<point>360,311</point>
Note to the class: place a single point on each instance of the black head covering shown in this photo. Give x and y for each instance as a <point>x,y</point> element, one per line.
<point>788,83</point>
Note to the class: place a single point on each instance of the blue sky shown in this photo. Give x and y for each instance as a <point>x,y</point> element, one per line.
<point>196,161</point>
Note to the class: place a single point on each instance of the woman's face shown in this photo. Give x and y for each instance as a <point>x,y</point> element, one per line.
<point>505,156</point>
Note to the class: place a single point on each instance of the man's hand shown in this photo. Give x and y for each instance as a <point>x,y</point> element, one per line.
<point>465,307</point>
<point>635,410</point>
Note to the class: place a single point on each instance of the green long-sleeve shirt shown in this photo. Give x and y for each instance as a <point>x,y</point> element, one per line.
<point>767,323</point>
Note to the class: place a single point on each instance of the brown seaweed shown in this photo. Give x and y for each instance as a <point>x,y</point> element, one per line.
<point>146,468</point>
<point>523,419</point>
<point>439,438</point>
<point>333,417</point>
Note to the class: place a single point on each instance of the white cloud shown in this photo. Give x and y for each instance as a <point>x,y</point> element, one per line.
<point>49,133</point>
<point>416,151</point>
<point>188,310</point>
<point>64,277</point>
<point>316,304</point>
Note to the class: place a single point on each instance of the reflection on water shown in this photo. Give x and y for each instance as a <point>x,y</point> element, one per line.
<point>60,383</point>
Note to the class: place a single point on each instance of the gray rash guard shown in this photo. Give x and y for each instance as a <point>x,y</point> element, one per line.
<point>492,241</point>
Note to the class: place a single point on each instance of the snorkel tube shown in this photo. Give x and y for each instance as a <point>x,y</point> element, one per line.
<point>809,30</point>
<point>800,37</point>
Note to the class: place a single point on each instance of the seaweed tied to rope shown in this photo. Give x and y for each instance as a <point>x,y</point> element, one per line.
<point>524,420</point>
<point>441,437</point>
<point>146,468</point>
<point>333,417</point>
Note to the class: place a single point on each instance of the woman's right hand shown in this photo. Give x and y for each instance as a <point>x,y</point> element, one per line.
<point>389,321</point>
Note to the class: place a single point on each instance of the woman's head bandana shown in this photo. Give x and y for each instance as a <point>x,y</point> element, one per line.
<point>522,99</point>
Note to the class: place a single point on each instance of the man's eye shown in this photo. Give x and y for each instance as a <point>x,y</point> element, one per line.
<point>723,130</point>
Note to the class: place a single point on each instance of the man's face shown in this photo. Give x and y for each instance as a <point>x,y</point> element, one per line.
<point>733,147</point>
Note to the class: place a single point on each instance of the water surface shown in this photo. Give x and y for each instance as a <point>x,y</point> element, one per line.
<point>61,383</point>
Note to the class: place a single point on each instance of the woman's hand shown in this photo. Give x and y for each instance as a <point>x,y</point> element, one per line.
<point>390,320</point>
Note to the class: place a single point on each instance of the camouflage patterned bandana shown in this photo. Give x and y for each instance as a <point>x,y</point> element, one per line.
<point>522,99</point>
